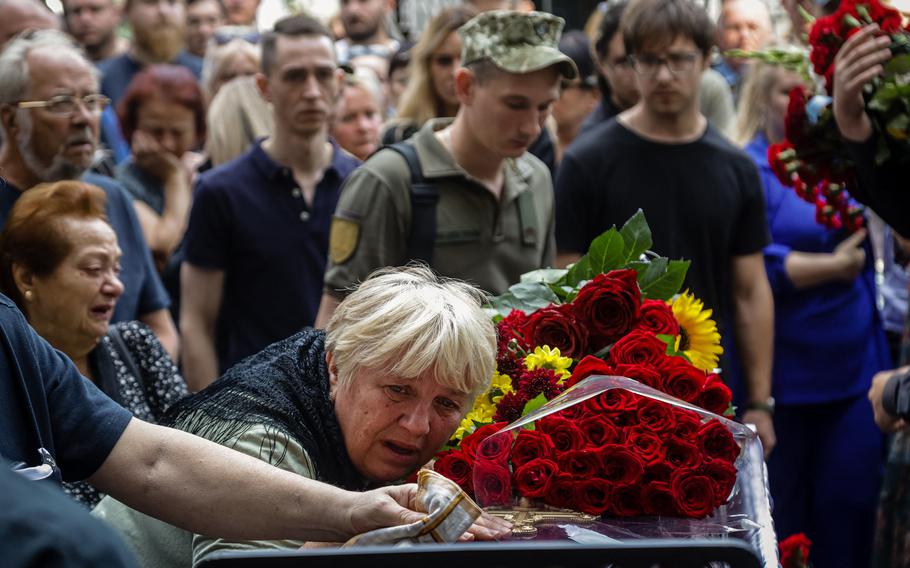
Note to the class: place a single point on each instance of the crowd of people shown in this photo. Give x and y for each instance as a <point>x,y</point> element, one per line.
<point>199,216</point>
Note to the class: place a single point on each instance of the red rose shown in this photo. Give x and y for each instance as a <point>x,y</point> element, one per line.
<point>657,317</point>
<point>794,551</point>
<point>620,465</point>
<point>692,493</point>
<point>682,454</point>
<point>592,496</point>
<point>511,326</point>
<point>471,442</point>
<point>588,366</point>
<point>580,463</point>
<point>657,499</point>
<point>780,157</point>
<point>608,306</point>
<point>715,395</point>
<point>796,122</point>
<point>566,436</point>
<point>682,379</point>
<point>575,412</point>
<point>687,423</point>
<point>723,475</point>
<point>642,373</point>
<point>458,467</point>
<point>639,347</point>
<point>532,480</point>
<point>531,445</point>
<point>556,326</point>
<point>659,471</point>
<point>492,484</point>
<point>598,430</point>
<point>626,501</point>
<point>656,416</point>
<point>717,442</point>
<point>618,404</point>
<point>562,492</point>
<point>646,444</point>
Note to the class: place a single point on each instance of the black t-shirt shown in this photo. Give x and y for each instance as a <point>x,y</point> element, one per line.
<point>40,526</point>
<point>703,201</point>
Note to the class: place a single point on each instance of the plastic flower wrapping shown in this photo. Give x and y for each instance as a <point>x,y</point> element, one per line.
<point>605,398</point>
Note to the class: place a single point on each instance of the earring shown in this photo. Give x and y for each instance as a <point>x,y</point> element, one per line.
<point>29,295</point>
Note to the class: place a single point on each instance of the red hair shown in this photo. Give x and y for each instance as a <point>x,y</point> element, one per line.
<point>35,238</point>
<point>172,83</point>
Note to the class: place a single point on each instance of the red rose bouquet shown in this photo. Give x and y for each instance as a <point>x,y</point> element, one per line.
<point>614,313</point>
<point>794,551</point>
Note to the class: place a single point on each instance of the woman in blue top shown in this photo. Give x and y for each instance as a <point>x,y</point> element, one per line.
<point>828,343</point>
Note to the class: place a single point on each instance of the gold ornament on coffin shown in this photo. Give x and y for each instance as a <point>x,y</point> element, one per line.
<point>525,519</point>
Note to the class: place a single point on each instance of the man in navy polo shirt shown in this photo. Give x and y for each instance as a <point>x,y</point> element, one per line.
<point>50,123</point>
<point>257,240</point>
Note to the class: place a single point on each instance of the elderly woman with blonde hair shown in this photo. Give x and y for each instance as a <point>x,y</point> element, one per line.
<point>364,403</point>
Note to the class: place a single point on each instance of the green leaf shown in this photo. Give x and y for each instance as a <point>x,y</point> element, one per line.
<point>534,404</point>
<point>544,275</point>
<point>670,340</point>
<point>636,235</point>
<point>606,253</point>
<point>526,297</point>
<point>578,272</point>
<point>663,278</point>
<point>897,65</point>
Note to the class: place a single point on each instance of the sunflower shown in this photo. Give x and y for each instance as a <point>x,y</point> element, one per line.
<point>698,337</point>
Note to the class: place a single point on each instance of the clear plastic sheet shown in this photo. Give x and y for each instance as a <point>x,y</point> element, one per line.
<point>746,515</point>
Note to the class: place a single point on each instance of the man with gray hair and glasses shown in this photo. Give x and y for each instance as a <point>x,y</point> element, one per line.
<point>50,109</point>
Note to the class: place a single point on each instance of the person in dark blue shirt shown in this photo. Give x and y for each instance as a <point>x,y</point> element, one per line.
<point>61,123</point>
<point>40,526</point>
<point>829,341</point>
<point>58,425</point>
<point>258,235</point>
<point>158,37</point>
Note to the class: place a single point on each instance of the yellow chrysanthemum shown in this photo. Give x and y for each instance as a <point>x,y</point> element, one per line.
<point>698,337</point>
<point>500,386</point>
<point>485,405</point>
<point>546,358</point>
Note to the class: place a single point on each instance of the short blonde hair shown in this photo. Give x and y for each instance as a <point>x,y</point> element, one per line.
<point>407,322</point>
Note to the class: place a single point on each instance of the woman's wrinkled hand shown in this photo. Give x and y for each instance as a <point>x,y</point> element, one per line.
<point>384,507</point>
<point>487,527</point>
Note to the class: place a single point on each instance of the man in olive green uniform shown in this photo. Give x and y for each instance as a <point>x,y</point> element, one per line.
<point>494,219</point>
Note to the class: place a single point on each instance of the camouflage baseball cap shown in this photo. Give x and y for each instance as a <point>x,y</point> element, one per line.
<point>517,42</point>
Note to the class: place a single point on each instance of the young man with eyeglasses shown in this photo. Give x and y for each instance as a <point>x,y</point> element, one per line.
<point>258,234</point>
<point>702,197</point>
<point>50,120</point>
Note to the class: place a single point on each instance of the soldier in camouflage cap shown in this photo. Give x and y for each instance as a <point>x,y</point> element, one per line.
<point>494,219</point>
<point>517,42</point>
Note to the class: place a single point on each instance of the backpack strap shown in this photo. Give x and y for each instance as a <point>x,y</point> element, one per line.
<point>424,198</point>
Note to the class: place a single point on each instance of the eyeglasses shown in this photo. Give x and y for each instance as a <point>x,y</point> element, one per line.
<point>226,34</point>
<point>624,63</point>
<point>649,65</point>
<point>69,104</point>
<point>586,84</point>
